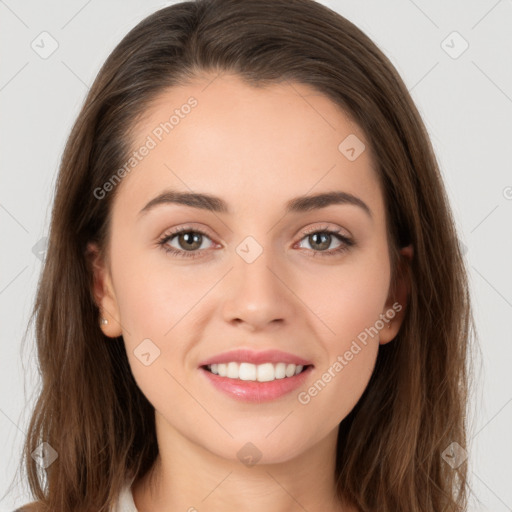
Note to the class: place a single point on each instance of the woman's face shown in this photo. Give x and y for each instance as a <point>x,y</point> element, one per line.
<point>254,270</point>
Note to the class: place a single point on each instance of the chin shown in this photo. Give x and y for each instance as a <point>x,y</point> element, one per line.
<point>258,448</point>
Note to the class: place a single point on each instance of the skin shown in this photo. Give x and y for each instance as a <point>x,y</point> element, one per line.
<point>256,149</point>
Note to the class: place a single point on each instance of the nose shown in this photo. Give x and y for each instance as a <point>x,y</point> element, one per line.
<point>258,294</point>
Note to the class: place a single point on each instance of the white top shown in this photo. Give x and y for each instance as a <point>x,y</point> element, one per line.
<point>125,502</point>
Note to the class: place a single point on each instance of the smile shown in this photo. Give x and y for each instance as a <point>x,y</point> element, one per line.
<point>251,372</point>
<point>260,383</point>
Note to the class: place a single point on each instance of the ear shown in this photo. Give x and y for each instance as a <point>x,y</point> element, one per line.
<point>103,292</point>
<point>398,297</point>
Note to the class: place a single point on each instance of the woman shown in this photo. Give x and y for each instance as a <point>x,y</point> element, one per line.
<point>253,296</point>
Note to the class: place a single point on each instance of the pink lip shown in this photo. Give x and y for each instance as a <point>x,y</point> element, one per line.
<point>254,391</point>
<point>260,357</point>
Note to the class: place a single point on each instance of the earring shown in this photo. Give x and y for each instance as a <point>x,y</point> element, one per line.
<point>104,321</point>
<point>389,325</point>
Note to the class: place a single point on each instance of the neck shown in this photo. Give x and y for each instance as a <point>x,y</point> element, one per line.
<point>188,477</point>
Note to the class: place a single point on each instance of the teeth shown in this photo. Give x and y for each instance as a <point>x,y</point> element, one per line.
<point>232,371</point>
<point>262,372</point>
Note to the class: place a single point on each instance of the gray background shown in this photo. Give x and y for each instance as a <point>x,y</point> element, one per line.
<point>466,103</point>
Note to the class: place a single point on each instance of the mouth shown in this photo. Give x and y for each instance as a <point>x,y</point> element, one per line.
<point>256,376</point>
<point>266,372</point>
<point>247,382</point>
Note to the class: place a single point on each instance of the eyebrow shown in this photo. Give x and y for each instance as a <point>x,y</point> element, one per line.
<point>216,204</point>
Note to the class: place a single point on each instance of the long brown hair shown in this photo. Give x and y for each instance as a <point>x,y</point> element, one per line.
<point>91,411</point>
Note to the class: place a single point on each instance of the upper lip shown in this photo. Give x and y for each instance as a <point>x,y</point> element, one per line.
<point>255,357</point>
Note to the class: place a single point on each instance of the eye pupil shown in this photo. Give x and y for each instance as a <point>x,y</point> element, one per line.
<point>326,242</point>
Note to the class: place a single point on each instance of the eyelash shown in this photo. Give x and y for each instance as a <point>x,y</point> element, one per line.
<point>347,243</point>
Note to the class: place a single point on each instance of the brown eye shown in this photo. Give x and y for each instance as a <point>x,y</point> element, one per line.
<point>190,240</point>
<point>320,241</point>
<point>187,242</point>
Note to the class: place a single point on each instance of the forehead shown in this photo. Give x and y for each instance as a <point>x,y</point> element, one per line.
<point>223,136</point>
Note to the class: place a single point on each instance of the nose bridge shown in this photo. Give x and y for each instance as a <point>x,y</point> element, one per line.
<point>257,294</point>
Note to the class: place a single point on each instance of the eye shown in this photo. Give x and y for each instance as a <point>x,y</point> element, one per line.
<point>320,239</point>
<point>189,242</point>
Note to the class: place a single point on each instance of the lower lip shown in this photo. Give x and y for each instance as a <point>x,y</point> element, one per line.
<point>254,391</point>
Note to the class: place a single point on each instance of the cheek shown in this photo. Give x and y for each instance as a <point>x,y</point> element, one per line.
<point>347,310</point>
<point>155,309</point>
<point>347,299</point>
<point>337,387</point>
<point>152,295</point>
<point>158,306</point>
